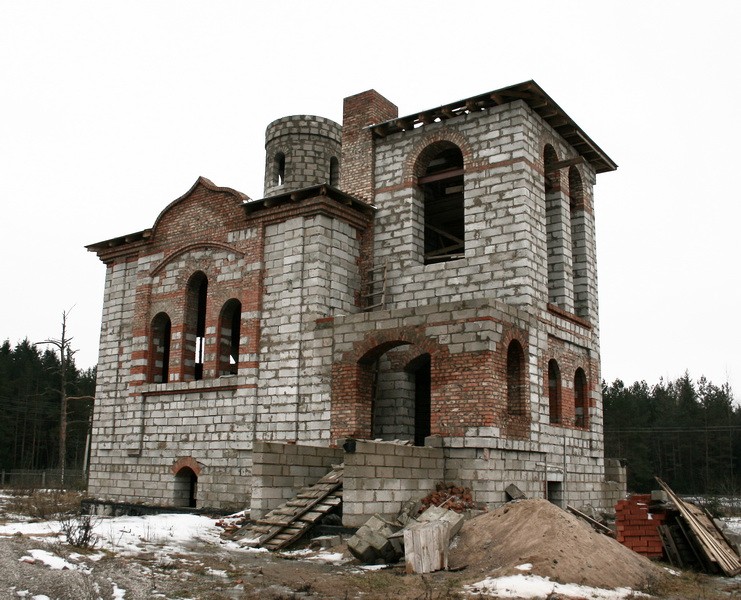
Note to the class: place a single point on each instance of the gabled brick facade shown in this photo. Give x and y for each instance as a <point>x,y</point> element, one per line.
<point>402,278</point>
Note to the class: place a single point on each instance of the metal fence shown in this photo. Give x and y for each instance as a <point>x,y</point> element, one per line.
<point>18,479</point>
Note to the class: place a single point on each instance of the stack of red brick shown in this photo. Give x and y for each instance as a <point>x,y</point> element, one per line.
<point>637,527</point>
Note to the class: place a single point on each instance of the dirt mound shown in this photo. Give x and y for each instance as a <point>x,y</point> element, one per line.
<point>556,543</point>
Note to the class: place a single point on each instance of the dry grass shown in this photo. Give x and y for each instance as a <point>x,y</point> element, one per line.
<point>44,505</point>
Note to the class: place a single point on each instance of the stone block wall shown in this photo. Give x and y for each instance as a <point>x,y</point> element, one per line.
<point>297,262</point>
<point>380,476</point>
<point>280,470</point>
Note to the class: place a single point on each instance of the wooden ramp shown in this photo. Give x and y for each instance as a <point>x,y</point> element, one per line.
<point>287,523</point>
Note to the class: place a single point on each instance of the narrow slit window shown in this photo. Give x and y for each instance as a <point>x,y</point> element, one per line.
<point>230,327</point>
<point>159,354</point>
<point>554,392</point>
<point>515,379</point>
<point>581,407</point>
<point>280,168</point>
<point>334,172</point>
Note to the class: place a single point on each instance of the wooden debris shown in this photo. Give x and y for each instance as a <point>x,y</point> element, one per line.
<point>703,531</point>
<point>596,525</point>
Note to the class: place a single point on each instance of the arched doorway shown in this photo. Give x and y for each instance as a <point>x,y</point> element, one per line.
<point>186,488</point>
<point>401,395</point>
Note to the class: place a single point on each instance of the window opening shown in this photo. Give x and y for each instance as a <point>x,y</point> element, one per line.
<point>280,168</point>
<point>230,325</point>
<point>554,391</point>
<point>442,192</point>
<point>196,323</point>
<point>422,403</point>
<point>515,379</point>
<point>554,226</point>
<point>580,398</point>
<point>334,172</point>
<point>161,334</point>
<point>578,243</point>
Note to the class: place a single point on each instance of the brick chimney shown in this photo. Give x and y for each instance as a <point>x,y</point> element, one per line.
<point>358,164</point>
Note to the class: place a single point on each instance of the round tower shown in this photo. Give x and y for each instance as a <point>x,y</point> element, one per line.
<point>301,151</point>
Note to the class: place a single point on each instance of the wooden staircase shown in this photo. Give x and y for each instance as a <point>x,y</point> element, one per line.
<point>284,525</point>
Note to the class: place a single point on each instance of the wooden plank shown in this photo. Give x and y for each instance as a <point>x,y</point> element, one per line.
<point>595,524</point>
<point>706,534</point>
<point>670,547</point>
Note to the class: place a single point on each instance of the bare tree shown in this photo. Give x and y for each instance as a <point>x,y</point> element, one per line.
<point>66,354</point>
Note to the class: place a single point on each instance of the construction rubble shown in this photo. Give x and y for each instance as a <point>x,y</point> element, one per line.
<point>446,530</point>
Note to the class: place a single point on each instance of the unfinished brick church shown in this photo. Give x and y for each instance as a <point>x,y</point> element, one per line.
<point>428,278</point>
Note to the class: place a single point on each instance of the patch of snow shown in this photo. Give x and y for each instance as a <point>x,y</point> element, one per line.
<point>41,597</point>
<point>52,561</point>
<point>672,572</point>
<point>216,572</point>
<point>524,567</point>
<point>531,586</point>
<point>299,552</point>
<point>373,567</point>
<point>335,558</point>
<point>118,593</point>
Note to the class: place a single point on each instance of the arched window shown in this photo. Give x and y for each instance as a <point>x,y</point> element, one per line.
<point>581,406</point>
<point>554,391</point>
<point>334,172</point>
<point>578,243</point>
<point>440,179</point>
<point>230,322</point>
<point>280,169</point>
<point>195,325</point>
<point>159,348</point>
<point>516,385</point>
<point>554,228</point>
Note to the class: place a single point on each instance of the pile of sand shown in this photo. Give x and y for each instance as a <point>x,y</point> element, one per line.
<point>556,543</point>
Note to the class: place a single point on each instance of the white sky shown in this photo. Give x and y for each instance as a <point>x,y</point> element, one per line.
<point>110,110</point>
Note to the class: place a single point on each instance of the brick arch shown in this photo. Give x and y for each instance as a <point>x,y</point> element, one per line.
<point>186,461</point>
<point>380,342</point>
<point>190,247</point>
<point>427,142</point>
<point>353,377</point>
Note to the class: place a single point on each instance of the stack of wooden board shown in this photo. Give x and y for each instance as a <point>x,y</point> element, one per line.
<point>705,539</point>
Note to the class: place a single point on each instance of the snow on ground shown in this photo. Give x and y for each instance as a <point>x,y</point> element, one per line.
<point>530,586</point>
<point>131,535</point>
<point>169,534</point>
<point>52,561</point>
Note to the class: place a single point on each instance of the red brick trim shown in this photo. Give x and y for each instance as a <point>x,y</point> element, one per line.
<point>186,461</point>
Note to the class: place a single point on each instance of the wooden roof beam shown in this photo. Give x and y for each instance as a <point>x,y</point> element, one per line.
<point>562,164</point>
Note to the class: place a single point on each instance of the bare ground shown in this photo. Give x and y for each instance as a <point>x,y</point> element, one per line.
<point>492,545</point>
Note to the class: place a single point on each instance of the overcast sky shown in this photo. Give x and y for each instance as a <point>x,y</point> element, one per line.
<point>111,110</point>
